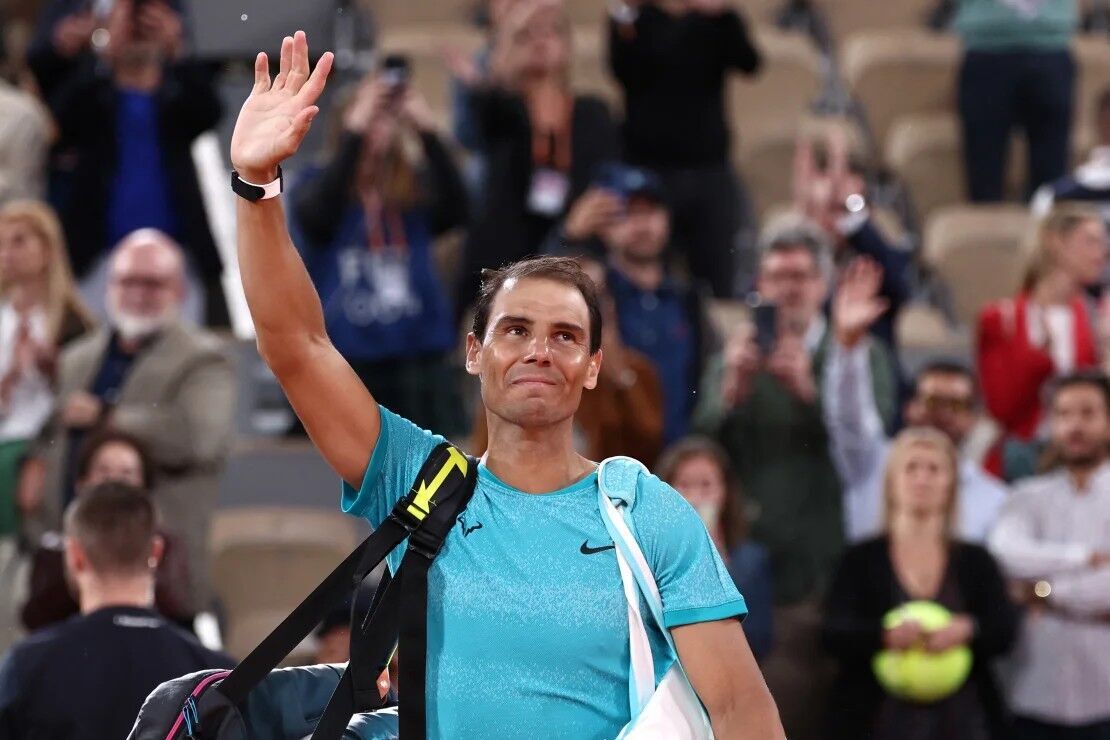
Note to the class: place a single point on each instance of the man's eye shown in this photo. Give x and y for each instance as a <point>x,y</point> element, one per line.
<point>515,330</point>
<point>566,336</point>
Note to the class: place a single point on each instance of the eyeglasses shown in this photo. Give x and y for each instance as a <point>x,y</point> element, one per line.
<point>946,403</point>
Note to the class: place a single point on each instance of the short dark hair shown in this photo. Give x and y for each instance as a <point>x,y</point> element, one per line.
<point>115,524</point>
<point>558,269</point>
<point>948,366</point>
<point>107,436</point>
<point>1090,378</point>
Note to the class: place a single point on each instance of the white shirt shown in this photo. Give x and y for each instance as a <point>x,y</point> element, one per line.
<point>32,398</point>
<point>859,448</point>
<point>1060,324</point>
<point>1060,670</point>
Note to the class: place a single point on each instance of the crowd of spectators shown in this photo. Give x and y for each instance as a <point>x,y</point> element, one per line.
<point>837,480</point>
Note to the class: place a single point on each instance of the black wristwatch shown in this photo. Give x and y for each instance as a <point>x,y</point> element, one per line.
<point>254,192</point>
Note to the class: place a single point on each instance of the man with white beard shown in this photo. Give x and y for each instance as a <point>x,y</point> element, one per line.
<point>153,375</point>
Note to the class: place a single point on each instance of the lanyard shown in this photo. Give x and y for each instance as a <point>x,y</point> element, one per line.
<point>384,226</point>
<point>551,146</point>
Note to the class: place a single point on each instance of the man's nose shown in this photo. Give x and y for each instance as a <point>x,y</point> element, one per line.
<point>539,350</point>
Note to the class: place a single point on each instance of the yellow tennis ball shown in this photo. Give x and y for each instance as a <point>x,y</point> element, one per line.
<point>915,674</point>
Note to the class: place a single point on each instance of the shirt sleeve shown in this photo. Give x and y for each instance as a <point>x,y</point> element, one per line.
<point>398,456</point>
<point>694,583</point>
<point>1014,541</point>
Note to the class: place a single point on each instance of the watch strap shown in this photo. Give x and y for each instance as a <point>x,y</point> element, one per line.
<point>254,191</point>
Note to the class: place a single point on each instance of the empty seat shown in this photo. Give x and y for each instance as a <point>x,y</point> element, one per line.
<point>590,66</point>
<point>924,334</point>
<point>728,316</point>
<point>846,17</point>
<point>924,153</point>
<point>979,252</point>
<point>390,14</point>
<point>1092,55</point>
<point>265,560</point>
<point>777,98</point>
<point>896,73</point>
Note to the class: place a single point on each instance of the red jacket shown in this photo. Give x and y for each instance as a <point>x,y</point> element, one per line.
<point>1012,371</point>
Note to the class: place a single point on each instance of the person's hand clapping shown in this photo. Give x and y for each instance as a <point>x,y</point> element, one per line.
<point>791,365</point>
<point>958,632</point>
<point>906,635</point>
<point>591,213</point>
<point>275,118</point>
<point>857,304</point>
<point>73,33</point>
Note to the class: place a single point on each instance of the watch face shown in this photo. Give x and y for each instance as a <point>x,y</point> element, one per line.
<point>855,203</point>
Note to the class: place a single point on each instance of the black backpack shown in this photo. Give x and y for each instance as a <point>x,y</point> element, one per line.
<point>254,701</point>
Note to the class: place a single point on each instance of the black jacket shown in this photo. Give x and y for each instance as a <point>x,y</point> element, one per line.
<point>673,70</point>
<point>504,229</point>
<point>86,110</point>
<point>865,589</point>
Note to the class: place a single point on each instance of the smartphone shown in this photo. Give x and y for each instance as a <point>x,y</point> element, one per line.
<point>766,318</point>
<point>396,70</point>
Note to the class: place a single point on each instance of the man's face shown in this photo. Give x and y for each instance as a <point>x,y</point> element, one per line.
<point>534,360</point>
<point>1080,425</point>
<point>146,288</point>
<point>642,234</point>
<point>791,279</point>
<point>944,401</point>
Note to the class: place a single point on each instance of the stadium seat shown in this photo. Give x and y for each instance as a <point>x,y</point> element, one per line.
<point>266,559</point>
<point>924,333</point>
<point>762,11</point>
<point>845,17</point>
<point>979,252</point>
<point>1092,55</point>
<point>590,66</point>
<point>896,73</point>
<point>924,152</point>
<point>775,100</point>
<point>393,14</point>
<point>728,316</point>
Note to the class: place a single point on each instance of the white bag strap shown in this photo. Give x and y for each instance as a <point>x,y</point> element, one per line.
<point>641,684</point>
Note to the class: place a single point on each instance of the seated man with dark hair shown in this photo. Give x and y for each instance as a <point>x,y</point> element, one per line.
<point>87,677</point>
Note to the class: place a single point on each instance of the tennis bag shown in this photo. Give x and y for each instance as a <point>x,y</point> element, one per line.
<point>256,702</point>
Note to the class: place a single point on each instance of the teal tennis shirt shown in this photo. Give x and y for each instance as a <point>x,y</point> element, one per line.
<point>527,621</point>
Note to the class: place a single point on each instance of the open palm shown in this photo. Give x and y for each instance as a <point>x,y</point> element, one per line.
<point>857,304</point>
<point>275,118</point>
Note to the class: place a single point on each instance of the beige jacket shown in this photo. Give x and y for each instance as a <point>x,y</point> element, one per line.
<point>179,397</point>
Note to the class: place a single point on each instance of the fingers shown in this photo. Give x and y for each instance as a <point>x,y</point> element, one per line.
<point>291,138</point>
<point>261,74</point>
<point>312,89</point>
<point>285,64</point>
<point>298,71</point>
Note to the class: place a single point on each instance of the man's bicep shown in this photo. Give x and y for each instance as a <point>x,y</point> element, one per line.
<point>336,409</point>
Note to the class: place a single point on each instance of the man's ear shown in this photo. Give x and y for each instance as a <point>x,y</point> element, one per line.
<point>157,550</point>
<point>593,370</point>
<point>473,354</point>
<point>75,558</point>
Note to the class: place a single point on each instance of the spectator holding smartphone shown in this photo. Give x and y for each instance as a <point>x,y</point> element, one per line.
<point>672,59</point>
<point>369,216</point>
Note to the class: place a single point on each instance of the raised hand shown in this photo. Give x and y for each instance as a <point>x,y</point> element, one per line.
<point>274,120</point>
<point>857,304</point>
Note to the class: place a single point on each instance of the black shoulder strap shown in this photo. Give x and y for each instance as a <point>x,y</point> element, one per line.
<point>439,494</point>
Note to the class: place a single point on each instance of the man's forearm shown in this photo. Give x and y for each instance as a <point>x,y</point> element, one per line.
<point>749,718</point>
<point>282,300</point>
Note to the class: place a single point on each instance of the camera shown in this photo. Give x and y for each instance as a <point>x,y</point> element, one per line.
<point>396,70</point>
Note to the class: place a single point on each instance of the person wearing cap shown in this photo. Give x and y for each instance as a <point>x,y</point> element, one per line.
<point>625,216</point>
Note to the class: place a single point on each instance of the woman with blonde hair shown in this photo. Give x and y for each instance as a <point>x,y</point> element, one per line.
<point>39,311</point>
<point>1043,332</point>
<point>917,559</point>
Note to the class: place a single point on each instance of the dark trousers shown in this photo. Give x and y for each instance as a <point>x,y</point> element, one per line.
<point>1000,90</point>
<point>1031,729</point>
<point>705,216</point>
